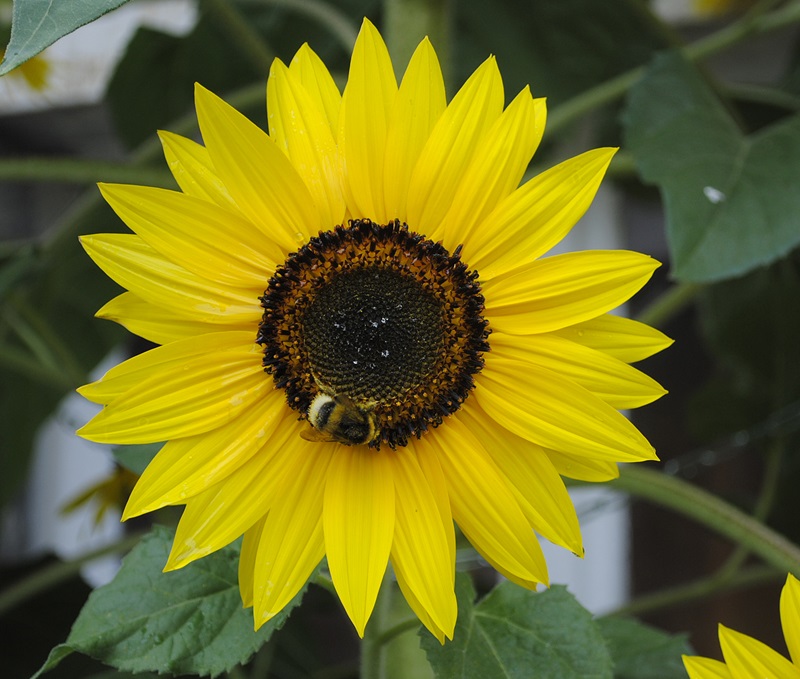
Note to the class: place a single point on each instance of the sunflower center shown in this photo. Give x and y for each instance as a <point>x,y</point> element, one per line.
<point>373,334</point>
<point>382,324</point>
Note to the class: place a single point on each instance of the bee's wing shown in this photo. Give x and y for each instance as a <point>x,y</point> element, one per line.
<point>312,434</point>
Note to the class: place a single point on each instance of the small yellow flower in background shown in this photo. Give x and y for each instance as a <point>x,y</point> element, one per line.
<point>748,658</point>
<point>361,340</point>
<point>110,494</point>
<point>35,71</point>
<point>716,8</point>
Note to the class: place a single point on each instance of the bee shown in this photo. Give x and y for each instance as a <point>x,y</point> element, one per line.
<point>337,418</point>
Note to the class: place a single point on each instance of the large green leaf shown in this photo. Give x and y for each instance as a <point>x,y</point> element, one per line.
<point>514,633</point>
<point>731,200</point>
<point>642,652</point>
<point>189,621</point>
<point>36,24</point>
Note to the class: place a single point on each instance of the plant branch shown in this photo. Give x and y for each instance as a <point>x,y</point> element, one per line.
<point>326,14</point>
<point>668,304</point>
<point>675,596</point>
<point>406,22</point>
<point>81,171</point>
<point>52,575</point>
<point>242,34</point>
<point>613,89</point>
<point>712,512</point>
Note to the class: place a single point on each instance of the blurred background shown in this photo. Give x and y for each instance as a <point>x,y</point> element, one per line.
<point>86,110</point>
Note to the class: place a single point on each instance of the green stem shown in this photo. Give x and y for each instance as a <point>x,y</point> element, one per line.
<point>669,304</point>
<point>712,512</point>
<point>336,22</point>
<point>699,589</point>
<point>80,171</point>
<point>56,573</point>
<point>22,363</point>
<point>396,630</point>
<point>242,34</point>
<point>406,22</point>
<point>53,352</point>
<point>729,576</point>
<point>758,94</point>
<point>65,232</point>
<point>371,646</point>
<point>622,166</point>
<point>613,89</point>
<point>324,581</point>
<point>766,499</point>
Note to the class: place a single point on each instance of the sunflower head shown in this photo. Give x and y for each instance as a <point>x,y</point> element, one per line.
<point>361,342</point>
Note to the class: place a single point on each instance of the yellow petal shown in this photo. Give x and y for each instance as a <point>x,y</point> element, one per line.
<point>555,412</point>
<point>136,266</point>
<point>257,174</point>
<point>705,668</point>
<point>183,399</point>
<point>188,466</point>
<point>158,324</point>
<point>451,146</point>
<point>790,616</point>
<point>223,512</point>
<point>292,542</point>
<point>420,549</point>
<point>496,167</point>
<point>538,215</point>
<point>317,80</point>
<point>359,519</point>
<point>582,468</point>
<point>192,168</point>
<point>608,378</point>
<point>418,608</point>
<point>747,657</point>
<point>622,338</point>
<point>247,561</point>
<point>437,483</point>
<point>565,289</point>
<point>366,107</point>
<point>418,106</point>
<point>300,129</point>
<point>129,374</point>
<point>538,488</point>
<point>199,236</point>
<point>483,505</point>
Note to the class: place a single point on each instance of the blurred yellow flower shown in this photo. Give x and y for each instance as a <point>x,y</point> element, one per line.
<point>324,295</point>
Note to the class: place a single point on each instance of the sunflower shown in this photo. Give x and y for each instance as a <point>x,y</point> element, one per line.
<point>360,343</point>
<point>748,658</point>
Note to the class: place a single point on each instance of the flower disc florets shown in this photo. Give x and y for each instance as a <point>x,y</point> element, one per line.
<point>380,315</point>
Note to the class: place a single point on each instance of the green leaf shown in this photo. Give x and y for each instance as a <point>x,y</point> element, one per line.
<point>136,458</point>
<point>36,24</point>
<point>731,201</point>
<point>189,621</point>
<point>56,656</point>
<point>514,633</point>
<point>642,652</point>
